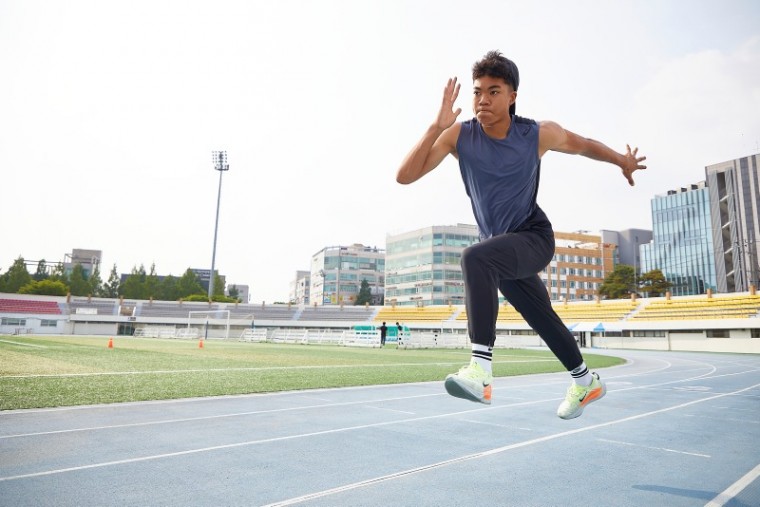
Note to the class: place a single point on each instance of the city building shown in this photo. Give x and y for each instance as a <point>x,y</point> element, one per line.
<point>580,264</point>
<point>337,273</point>
<point>422,266</point>
<point>735,205</point>
<point>682,242</point>
<point>88,259</point>
<point>628,242</point>
<point>299,288</point>
<point>243,292</point>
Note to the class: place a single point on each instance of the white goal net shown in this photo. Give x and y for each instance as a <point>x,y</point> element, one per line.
<point>208,324</point>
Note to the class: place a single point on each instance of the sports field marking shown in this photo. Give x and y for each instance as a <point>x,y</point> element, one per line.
<point>24,344</point>
<point>320,494</point>
<point>253,368</point>
<point>389,409</point>
<point>631,444</point>
<point>219,416</point>
<point>380,424</point>
<point>734,489</point>
<point>497,425</point>
<point>329,405</point>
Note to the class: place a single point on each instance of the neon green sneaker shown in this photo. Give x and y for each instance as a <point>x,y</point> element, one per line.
<point>471,382</point>
<point>579,396</point>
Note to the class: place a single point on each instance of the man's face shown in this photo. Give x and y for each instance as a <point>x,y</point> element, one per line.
<point>491,98</point>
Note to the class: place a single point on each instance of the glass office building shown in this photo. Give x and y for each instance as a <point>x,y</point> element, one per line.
<point>422,266</point>
<point>735,199</point>
<point>682,242</point>
<point>337,273</point>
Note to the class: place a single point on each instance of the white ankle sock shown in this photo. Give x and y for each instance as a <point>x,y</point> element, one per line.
<point>582,376</point>
<point>482,355</point>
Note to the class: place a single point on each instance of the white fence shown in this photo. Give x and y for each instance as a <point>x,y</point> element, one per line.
<point>347,338</point>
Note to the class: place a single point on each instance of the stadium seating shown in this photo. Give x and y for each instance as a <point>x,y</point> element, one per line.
<point>579,311</point>
<point>701,307</point>
<point>29,306</point>
<point>332,313</point>
<point>415,314</point>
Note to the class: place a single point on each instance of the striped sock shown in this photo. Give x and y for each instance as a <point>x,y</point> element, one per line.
<point>581,375</point>
<point>482,355</point>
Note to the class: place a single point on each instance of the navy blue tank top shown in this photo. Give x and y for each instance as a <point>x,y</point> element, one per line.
<point>500,175</point>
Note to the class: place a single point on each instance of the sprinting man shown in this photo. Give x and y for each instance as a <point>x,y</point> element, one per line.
<point>499,157</point>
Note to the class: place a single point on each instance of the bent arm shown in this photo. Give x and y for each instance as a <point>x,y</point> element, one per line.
<point>552,137</point>
<point>428,153</point>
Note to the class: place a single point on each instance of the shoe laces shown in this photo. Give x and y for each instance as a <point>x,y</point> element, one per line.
<point>575,390</point>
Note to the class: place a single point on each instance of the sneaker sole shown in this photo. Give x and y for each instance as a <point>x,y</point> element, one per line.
<point>590,400</point>
<point>457,390</point>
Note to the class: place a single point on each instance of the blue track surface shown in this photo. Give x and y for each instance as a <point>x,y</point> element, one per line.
<point>675,429</point>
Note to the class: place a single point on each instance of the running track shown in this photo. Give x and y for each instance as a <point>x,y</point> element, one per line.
<point>675,429</point>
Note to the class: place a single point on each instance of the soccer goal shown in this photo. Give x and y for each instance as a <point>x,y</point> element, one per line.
<point>209,324</point>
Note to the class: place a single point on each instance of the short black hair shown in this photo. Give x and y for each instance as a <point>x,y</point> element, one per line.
<point>494,64</point>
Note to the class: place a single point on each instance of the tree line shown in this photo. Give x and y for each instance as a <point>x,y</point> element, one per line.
<point>623,282</point>
<point>54,281</point>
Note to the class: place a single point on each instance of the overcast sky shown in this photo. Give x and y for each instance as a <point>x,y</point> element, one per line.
<point>109,111</point>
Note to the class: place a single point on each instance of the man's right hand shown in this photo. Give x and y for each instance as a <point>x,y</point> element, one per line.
<point>447,115</point>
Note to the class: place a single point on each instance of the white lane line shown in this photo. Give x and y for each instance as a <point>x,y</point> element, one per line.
<point>366,426</point>
<point>491,452</point>
<point>216,416</point>
<point>310,407</point>
<point>631,444</point>
<point>734,489</point>
<point>253,369</point>
<point>731,419</point>
<point>389,409</point>
<point>497,425</point>
<point>24,344</point>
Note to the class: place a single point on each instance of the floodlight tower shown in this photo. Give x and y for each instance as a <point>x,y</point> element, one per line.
<point>221,165</point>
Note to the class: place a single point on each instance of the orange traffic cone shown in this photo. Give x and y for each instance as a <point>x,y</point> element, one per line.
<point>110,343</point>
<point>200,343</point>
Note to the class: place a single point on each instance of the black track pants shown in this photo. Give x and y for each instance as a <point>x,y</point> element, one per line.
<point>511,263</point>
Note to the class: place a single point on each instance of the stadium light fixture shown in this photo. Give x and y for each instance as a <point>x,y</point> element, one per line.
<point>221,165</point>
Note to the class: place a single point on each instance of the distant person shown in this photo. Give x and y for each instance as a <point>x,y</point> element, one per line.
<point>499,157</point>
<point>383,334</point>
<point>399,329</point>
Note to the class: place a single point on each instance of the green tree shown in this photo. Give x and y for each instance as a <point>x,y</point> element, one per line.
<point>169,290</point>
<point>152,285</point>
<point>134,285</point>
<point>653,283</point>
<point>189,284</point>
<point>234,292</point>
<point>218,285</point>
<point>620,283</point>
<point>365,294</point>
<point>78,284</point>
<point>96,283</point>
<point>46,287</point>
<point>16,277</point>
<point>57,273</point>
<point>111,288</point>
<point>41,272</point>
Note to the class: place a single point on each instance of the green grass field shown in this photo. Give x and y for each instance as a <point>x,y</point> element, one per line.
<point>62,371</point>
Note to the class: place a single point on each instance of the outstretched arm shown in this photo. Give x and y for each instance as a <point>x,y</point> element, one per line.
<point>552,137</point>
<point>439,140</point>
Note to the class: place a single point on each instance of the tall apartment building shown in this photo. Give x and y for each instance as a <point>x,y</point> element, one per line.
<point>88,259</point>
<point>581,262</point>
<point>628,242</point>
<point>682,243</point>
<point>299,288</point>
<point>735,212</point>
<point>337,273</point>
<point>422,266</point>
